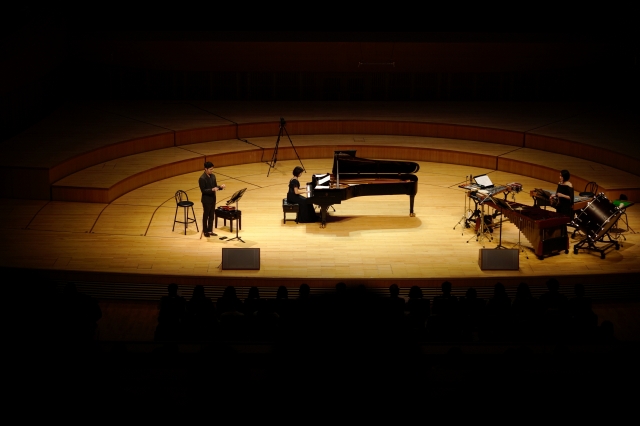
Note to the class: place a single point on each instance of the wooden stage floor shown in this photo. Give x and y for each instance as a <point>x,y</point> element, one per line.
<point>368,240</point>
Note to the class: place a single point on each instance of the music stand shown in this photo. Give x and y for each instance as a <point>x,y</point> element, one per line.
<point>234,199</point>
<point>504,205</point>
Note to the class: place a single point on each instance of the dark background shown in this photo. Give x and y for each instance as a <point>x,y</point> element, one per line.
<point>50,57</point>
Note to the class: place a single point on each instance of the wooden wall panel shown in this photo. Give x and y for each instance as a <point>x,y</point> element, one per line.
<point>34,184</point>
<point>206,134</point>
<point>84,195</point>
<point>404,128</point>
<point>110,152</point>
<point>584,151</point>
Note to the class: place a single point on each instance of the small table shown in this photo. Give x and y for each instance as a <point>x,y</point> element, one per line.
<point>231,215</point>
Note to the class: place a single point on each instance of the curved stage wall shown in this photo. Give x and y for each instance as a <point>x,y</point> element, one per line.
<point>40,180</point>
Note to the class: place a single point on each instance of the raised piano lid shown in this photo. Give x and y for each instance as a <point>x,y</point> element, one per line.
<point>346,163</point>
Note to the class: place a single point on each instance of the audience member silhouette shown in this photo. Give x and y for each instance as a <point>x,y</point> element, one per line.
<point>417,308</point>
<point>443,322</point>
<point>229,304</point>
<point>471,310</point>
<point>554,305</point>
<point>171,315</point>
<point>282,305</point>
<point>498,309</point>
<point>201,319</point>
<point>232,319</point>
<point>393,308</point>
<point>525,311</point>
<point>584,320</point>
<point>304,308</point>
<point>253,303</point>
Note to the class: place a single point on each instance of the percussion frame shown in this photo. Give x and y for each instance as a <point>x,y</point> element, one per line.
<point>599,234</point>
<point>467,213</point>
<point>591,245</point>
<point>483,228</point>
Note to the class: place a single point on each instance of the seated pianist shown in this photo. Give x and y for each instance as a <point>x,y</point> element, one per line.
<point>307,213</point>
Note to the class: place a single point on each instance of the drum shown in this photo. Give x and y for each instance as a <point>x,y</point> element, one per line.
<point>596,219</point>
<point>514,187</point>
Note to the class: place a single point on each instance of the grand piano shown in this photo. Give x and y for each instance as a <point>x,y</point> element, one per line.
<point>359,177</point>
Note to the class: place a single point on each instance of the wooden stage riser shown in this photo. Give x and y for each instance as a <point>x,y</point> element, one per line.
<point>190,136</point>
<point>107,195</point>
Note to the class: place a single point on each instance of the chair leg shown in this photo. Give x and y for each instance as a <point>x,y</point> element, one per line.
<point>175,216</point>
<point>186,215</point>
<point>194,219</point>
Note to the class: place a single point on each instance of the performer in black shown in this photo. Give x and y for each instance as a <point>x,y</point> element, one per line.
<point>563,198</point>
<point>307,214</point>
<point>209,187</point>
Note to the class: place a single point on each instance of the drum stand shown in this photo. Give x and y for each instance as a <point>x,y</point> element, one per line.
<point>591,245</point>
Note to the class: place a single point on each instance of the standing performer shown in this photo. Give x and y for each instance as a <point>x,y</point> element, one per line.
<point>563,198</point>
<point>209,187</point>
<point>306,213</point>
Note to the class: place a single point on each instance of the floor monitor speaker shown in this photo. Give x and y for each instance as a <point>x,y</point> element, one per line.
<point>240,258</point>
<point>497,259</point>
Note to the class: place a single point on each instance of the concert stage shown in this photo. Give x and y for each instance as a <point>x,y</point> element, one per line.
<point>119,242</point>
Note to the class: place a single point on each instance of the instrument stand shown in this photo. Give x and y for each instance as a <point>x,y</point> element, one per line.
<point>274,157</point>
<point>235,198</point>
<point>591,245</point>
<point>620,231</point>
<point>519,244</point>
<point>500,246</point>
<point>482,229</point>
<point>467,212</point>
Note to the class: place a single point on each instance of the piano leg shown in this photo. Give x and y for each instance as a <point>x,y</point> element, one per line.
<point>323,216</point>
<point>411,199</point>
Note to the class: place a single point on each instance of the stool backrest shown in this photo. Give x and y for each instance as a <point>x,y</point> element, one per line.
<point>181,196</point>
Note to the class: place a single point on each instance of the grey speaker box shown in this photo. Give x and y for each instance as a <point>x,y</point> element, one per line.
<point>499,259</point>
<point>240,258</point>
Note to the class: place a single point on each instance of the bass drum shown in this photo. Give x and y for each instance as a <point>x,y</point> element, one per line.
<point>597,218</point>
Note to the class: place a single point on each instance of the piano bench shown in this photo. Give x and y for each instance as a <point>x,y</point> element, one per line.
<point>289,208</point>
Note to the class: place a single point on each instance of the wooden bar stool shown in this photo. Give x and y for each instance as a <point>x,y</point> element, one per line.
<point>182,200</point>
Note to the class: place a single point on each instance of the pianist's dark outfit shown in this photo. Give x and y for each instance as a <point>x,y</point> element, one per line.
<point>307,213</point>
<point>565,206</point>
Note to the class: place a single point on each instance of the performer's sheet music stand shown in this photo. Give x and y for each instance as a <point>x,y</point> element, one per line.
<point>234,199</point>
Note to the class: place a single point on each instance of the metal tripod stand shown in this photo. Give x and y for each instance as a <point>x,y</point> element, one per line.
<point>274,157</point>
